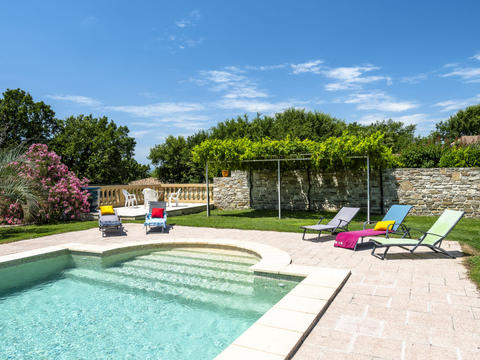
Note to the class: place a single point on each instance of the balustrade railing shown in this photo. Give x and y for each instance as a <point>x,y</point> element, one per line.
<point>191,193</point>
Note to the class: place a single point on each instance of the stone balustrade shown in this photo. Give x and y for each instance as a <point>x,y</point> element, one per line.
<point>191,193</point>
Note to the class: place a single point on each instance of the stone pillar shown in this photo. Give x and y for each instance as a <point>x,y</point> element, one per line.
<point>232,192</point>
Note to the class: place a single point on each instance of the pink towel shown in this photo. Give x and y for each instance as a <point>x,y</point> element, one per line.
<point>349,239</point>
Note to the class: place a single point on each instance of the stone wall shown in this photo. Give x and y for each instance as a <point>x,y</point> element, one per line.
<point>232,192</point>
<point>429,190</point>
<point>433,190</point>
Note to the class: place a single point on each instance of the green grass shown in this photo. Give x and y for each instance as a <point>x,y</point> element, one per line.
<point>16,233</point>
<point>467,231</point>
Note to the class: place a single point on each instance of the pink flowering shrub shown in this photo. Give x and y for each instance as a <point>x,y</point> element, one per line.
<point>11,213</point>
<point>61,194</point>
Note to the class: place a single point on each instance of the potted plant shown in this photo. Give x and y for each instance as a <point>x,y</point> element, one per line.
<point>225,173</point>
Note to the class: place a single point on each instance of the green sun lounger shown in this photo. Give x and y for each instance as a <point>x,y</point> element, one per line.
<point>432,238</point>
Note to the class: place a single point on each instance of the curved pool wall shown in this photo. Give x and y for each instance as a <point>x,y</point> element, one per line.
<point>275,335</point>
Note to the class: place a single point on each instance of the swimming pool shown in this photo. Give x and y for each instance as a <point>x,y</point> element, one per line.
<point>177,303</point>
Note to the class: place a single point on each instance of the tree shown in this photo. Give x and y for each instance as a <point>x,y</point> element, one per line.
<point>398,136</point>
<point>297,123</point>
<point>464,122</point>
<point>98,149</point>
<point>171,160</point>
<point>24,121</point>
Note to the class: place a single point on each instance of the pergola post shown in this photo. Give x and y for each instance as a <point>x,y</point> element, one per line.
<point>208,189</point>
<point>368,188</point>
<point>278,191</point>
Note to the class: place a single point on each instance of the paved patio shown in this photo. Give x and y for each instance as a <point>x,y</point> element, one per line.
<point>419,306</point>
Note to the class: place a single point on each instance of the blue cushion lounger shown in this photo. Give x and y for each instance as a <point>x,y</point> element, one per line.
<point>155,222</point>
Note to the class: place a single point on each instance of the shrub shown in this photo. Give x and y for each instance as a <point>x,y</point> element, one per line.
<point>59,189</point>
<point>468,156</point>
<point>422,155</point>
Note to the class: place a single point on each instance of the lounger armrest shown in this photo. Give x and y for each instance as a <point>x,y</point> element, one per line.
<point>429,233</point>
<point>339,225</point>
<point>367,223</point>
<point>319,221</point>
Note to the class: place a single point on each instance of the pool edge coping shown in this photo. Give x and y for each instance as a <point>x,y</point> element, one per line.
<point>280,331</point>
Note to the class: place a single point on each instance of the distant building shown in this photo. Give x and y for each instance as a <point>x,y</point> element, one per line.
<point>146,181</point>
<point>467,140</point>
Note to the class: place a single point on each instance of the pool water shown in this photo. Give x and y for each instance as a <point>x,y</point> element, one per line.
<point>169,304</point>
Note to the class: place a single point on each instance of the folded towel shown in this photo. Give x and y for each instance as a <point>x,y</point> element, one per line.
<point>349,239</point>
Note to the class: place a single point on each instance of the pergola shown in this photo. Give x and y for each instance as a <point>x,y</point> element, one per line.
<point>304,157</point>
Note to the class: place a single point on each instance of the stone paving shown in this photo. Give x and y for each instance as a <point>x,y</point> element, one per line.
<point>411,306</point>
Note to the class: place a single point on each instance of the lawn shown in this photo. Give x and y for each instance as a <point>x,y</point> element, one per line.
<point>467,231</point>
<point>15,233</point>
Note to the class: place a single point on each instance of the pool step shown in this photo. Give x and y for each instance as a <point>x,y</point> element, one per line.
<point>187,295</point>
<point>198,279</point>
<point>190,270</point>
<point>212,255</point>
<point>241,268</point>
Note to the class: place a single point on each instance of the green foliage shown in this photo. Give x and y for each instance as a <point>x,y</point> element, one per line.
<point>16,192</point>
<point>296,123</point>
<point>468,156</point>
<point>331,154</point>
<point>464,122</point>
<point>98,149</point>
<point>173,160</point>
<point>422,154</point>
<point>397,135</point>
<point>24,121</point>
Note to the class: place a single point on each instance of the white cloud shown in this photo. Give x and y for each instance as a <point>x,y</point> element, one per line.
<point>182,121</point>
<point>476,56</point>
<point>139,133</point>
<point>378,101</point>
<point>457,104</point>
<point>81,100</point>
<point>307,67</point>
<point>232,82</point>
<point>190,20</point>
<point>467,74</point>
<point>351,77</point>
<point>158,109</point>
<point>254,105</point>
<point>266,67</point>
<point>414,79</point>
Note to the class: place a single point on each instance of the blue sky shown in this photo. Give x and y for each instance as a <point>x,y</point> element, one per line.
<point>173,67</point>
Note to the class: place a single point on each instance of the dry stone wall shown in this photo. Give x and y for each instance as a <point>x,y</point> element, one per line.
<point>232,192</point>
<point>429,190</point>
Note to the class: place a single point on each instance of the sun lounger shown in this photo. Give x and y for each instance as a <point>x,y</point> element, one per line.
<point>340,221</point>
<point>432,238</point>
<point>151,219</point>
<point>397,213</point>
<point>109,221</point>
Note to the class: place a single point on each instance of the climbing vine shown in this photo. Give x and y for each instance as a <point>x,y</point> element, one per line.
<point>331,154</point>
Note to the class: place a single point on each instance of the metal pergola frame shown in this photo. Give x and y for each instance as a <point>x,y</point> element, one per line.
<point>279,160</point>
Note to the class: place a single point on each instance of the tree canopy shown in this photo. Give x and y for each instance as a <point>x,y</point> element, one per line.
<point>24,121</point>
<point>98,149</point>
<point>292,123</point>
<point>464,122</point>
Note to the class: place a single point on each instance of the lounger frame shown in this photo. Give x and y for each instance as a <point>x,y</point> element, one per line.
<point>435,246</point>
